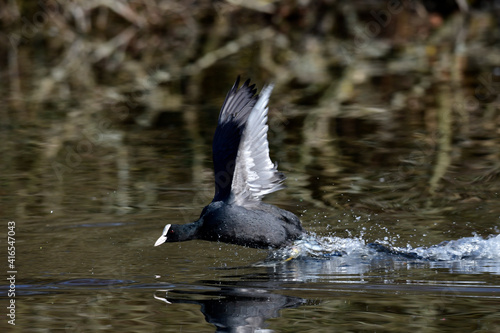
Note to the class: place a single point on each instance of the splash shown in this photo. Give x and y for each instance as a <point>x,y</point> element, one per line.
<point>312,246</point>
<point>467,248</point>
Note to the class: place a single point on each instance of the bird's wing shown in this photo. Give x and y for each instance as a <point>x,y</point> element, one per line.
<point>254,174</point>
<point>233,116</point>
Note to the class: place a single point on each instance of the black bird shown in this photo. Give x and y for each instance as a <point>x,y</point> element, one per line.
<point>243,174</point>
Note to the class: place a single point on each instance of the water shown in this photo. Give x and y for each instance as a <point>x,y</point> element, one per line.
<point>376,259</point>
<point>185,287</point>
<point>96,272</point>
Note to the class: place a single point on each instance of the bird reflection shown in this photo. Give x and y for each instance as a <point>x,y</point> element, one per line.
<point>233,309</point>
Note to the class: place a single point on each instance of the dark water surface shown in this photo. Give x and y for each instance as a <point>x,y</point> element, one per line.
<point>85,259</point>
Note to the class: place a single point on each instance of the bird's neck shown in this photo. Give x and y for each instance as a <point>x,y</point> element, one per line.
<point>185,232</point>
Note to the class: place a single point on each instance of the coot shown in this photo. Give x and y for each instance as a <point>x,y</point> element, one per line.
<point>243,174</point>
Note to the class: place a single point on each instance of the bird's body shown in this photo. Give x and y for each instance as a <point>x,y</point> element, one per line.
<point>243,174</point>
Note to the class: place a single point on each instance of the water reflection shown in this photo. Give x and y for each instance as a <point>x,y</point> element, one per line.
<point>244,299</point>
<point>233,309</point>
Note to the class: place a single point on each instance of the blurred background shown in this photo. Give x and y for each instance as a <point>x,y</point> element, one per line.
<point>379,105</point>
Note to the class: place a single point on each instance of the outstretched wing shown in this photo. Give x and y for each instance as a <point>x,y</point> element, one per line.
<point>232,119</point>
<point>254,174</point>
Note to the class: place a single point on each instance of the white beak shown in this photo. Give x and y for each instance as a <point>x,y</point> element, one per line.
<point>163,237</point>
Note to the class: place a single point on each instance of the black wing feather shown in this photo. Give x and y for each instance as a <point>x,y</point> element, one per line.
<point>232,118</point>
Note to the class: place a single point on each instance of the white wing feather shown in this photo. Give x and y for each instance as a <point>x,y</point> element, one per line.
<point>255,175</point>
